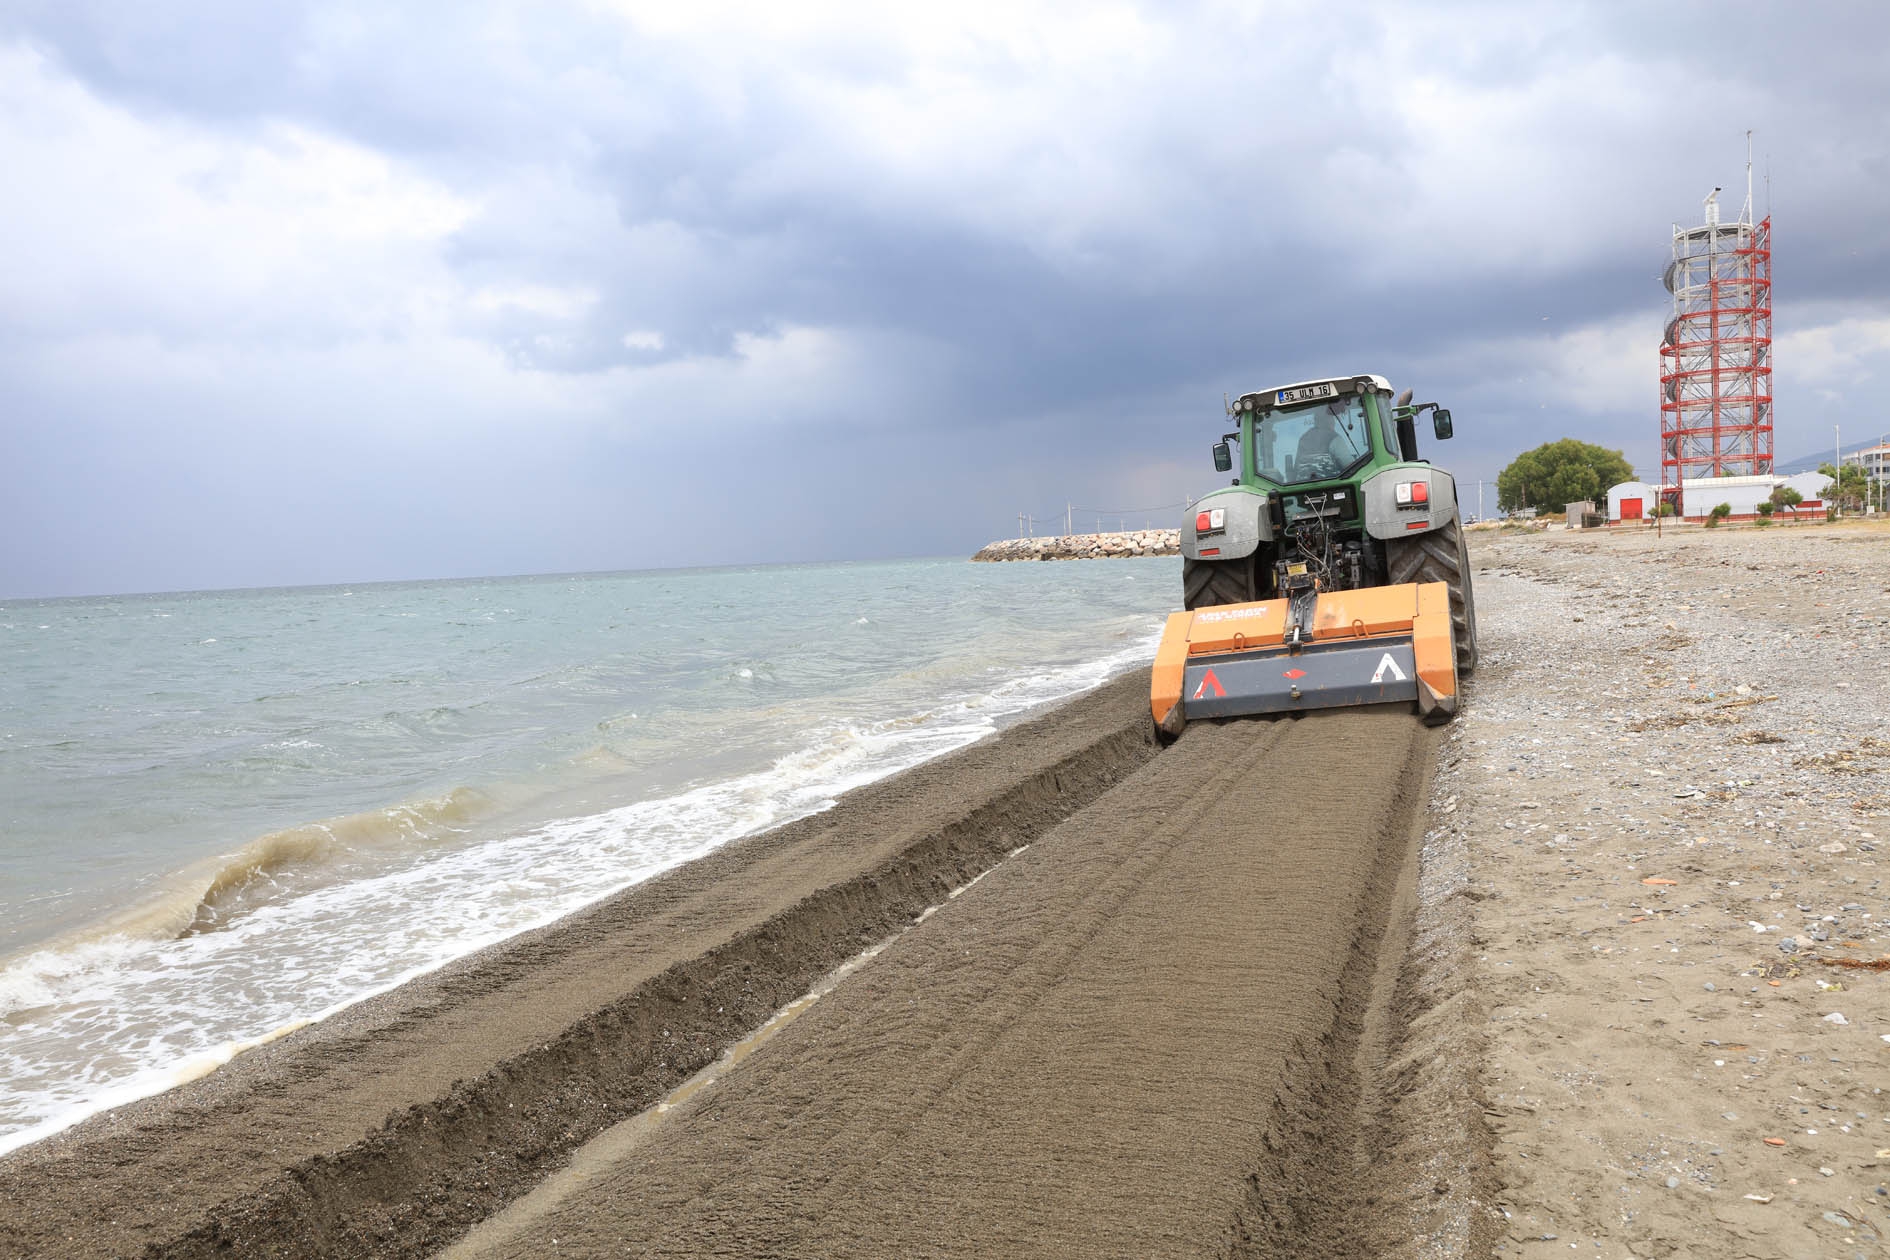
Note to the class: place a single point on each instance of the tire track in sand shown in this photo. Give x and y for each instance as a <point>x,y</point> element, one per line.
<point>1150,1034</point>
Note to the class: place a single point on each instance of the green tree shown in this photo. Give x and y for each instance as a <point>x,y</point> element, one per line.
<point>1847,487</point>
<point>1556,474</point>
<point>1787,498</point>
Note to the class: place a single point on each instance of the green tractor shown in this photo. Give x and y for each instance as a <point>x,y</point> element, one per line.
<point>1330,497</point>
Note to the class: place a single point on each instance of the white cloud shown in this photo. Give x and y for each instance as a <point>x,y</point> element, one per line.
<point>1607,367</point>
<point>130,222</point>
<point>547,301</point>
<point>280,276</point>
<point>1852,348</point>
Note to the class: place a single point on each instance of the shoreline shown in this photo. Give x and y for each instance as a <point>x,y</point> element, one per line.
<point>52,1088</point>
<point>497,1039</point>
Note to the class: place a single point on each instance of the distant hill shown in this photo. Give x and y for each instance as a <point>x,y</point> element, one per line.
<point>1809,463</point>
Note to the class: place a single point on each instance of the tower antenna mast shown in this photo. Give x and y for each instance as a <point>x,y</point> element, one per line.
<point>1747,216</point>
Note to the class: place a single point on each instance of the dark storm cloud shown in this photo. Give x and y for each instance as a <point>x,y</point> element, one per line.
<point>1027,258</point>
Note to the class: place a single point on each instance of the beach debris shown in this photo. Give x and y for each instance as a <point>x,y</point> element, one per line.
<point>1775,1141</point>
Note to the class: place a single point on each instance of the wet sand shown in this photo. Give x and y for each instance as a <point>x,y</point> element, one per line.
<point>394,1126</point>
<point>1161,1023</point>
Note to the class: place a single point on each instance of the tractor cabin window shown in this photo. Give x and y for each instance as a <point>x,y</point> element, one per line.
<point>1317,443</point>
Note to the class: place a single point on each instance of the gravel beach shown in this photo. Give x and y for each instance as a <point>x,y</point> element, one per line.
<point>1669,798</point>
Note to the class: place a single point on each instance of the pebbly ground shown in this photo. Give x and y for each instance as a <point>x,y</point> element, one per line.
<point>1668,801</point>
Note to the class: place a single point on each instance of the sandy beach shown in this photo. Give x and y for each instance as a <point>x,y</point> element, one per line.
<point>1563,973</point>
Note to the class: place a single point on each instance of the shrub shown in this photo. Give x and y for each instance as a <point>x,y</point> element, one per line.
<point>1767,508</point>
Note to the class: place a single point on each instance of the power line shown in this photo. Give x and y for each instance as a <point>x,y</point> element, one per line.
<point>1031,523</point>
<point>1131,511</point>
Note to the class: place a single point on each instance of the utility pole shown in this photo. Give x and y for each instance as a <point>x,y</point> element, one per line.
<point>1479,498</point>
<point>1069,518</point>
<point>1837,469</point>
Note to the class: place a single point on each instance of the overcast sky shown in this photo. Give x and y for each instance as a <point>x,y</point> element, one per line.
<point>318,292</point>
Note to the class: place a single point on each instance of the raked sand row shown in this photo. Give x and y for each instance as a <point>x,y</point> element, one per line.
<point>1149,1032</point>
<point>393,1126</point>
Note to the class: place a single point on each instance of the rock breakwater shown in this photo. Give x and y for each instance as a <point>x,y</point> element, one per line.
<point>1139,542</point>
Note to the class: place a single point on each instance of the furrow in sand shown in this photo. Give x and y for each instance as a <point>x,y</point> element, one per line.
<point>392,1127</point>
<point>1156,1032</point>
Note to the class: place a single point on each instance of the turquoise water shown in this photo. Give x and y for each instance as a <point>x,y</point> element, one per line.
<point>225,813</point>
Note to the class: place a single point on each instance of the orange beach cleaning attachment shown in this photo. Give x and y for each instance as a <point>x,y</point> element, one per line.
<point>1375,645</point>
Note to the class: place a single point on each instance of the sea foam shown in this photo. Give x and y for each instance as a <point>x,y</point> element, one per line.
<point>121,1014</point>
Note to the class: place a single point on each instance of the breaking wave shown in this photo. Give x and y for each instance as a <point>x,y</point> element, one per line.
<point>205,895</point>
<point>240,950</point>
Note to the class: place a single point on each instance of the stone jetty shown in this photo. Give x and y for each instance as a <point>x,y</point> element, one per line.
<point>1137,542</point>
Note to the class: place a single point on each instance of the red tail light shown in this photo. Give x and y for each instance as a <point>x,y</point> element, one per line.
<point>1201,523</point>
<point>1420,492</point>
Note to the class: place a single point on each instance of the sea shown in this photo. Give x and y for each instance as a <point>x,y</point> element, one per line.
<point>227,814</point>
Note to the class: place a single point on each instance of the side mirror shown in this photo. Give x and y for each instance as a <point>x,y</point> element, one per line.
<point>1440,423</point>
<point>1223,458</point>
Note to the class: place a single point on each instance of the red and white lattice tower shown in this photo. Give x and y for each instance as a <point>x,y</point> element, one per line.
<point>1716,356</point>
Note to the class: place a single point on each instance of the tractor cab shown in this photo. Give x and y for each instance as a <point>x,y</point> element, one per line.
<point>1323,430</point>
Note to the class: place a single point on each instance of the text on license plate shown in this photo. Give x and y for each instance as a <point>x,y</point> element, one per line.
<point>1305,393</point>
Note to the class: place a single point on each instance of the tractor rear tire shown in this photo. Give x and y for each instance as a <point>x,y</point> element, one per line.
<point>1439,555</point>
<point>1206,583</point>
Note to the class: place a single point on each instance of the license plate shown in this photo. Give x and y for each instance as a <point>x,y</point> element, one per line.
<point>1305,393</point>
<point>1295,570</point>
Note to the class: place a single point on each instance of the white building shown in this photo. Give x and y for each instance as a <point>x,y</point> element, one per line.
<point>1875,461</point>
<point>1632,501</point>
<point>1635,500</point>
